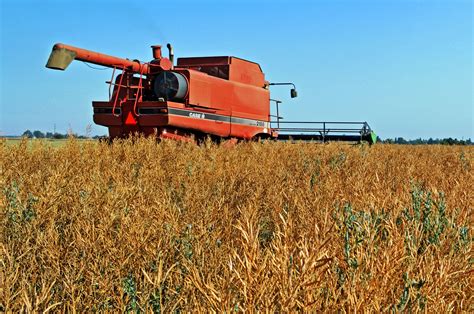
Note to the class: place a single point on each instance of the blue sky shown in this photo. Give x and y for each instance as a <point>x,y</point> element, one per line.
<point>404,66</point>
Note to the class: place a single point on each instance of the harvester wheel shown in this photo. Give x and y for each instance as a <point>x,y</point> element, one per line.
<point>261,137</point>
<point>105,139</point>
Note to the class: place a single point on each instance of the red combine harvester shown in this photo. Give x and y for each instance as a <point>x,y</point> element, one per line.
<point>218,97</point>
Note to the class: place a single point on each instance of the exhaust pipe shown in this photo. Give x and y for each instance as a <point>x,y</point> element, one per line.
<point>171,53</point>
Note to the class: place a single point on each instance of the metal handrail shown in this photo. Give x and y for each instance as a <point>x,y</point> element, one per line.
<point>139,93</point>
<point>117,94</point>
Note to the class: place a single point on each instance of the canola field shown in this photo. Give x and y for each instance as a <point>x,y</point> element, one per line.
<point>174,227</point>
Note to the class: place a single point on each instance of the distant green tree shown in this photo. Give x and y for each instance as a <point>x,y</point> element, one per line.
<point>38,134</point>
<point>59,136</point>
<point>400,140</point>
<point>27,134</point>
<point>448,141</point>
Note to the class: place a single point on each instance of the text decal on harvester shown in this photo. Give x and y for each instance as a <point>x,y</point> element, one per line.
<point>197,115</point>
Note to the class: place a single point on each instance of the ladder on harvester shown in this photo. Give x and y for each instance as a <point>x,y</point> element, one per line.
<point>138,95</point>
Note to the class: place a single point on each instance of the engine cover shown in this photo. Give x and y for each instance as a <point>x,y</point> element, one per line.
<point>170,85</point>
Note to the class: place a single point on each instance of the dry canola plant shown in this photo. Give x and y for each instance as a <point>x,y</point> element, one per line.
<point>143,226</point>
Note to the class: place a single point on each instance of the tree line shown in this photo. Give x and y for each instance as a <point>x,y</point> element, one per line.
<point>55,135</point>
<point>430,141</point>
<point>397,140</point>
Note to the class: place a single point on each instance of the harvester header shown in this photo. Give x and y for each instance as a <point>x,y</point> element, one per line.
<point>221,97</point>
